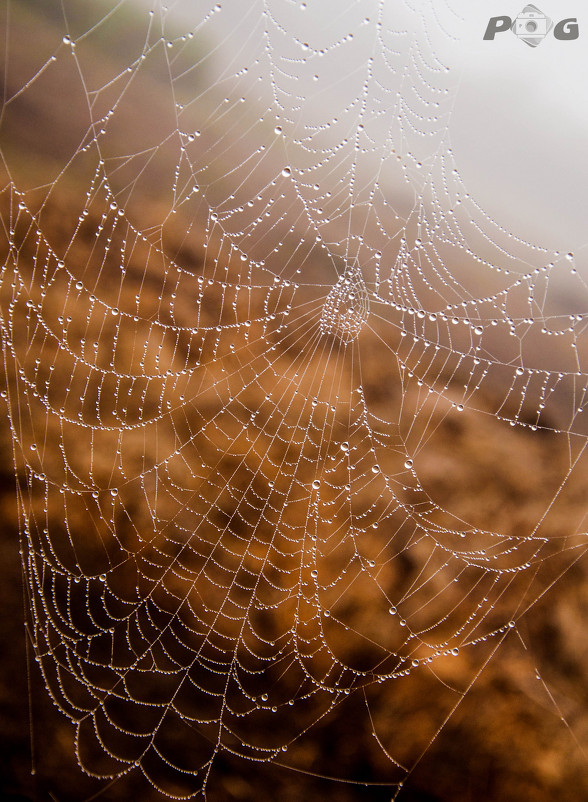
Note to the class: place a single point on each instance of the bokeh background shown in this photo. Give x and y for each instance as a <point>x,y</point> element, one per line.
<point>504,720</point>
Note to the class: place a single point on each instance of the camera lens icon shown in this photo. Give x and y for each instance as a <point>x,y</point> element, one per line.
<point>532,25</point>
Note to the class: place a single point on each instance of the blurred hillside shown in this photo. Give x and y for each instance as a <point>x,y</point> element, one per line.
<point>505,740</point>
<point>130,366</point>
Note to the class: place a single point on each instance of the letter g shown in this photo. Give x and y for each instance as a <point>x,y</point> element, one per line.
<point>566,29</point>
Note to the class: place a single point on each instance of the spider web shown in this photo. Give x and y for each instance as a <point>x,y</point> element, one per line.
<point>232,360</point>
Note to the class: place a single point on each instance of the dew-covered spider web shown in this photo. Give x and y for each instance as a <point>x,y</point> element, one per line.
<point>297,424</point>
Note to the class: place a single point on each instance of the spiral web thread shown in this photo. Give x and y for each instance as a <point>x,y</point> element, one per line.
<point>226,363</point>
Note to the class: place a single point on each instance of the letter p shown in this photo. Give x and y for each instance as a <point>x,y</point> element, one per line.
<point>497,25</point>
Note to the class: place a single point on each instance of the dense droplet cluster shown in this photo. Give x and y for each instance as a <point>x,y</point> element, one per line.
<point>346,308</point>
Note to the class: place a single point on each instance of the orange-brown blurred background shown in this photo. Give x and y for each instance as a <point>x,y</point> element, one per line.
<point>506,718</point>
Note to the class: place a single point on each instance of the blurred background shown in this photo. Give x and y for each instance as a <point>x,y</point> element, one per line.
<point>184,184</point>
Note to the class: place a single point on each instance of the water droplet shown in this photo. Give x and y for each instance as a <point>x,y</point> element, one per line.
<point>392,611</point>
<point>314,573</point>
<point>316,484</point>
<point>345,446</point>
<point>264,697</point>
<point>408,464</point>
<point>455,651</point>
<point>286,172</point>
<point>479,330</point>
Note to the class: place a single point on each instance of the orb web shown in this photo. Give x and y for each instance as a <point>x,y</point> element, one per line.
<point>248,311</point>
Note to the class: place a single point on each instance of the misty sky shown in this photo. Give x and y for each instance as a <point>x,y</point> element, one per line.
<point>520,125</point>
<point>518,120</point>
